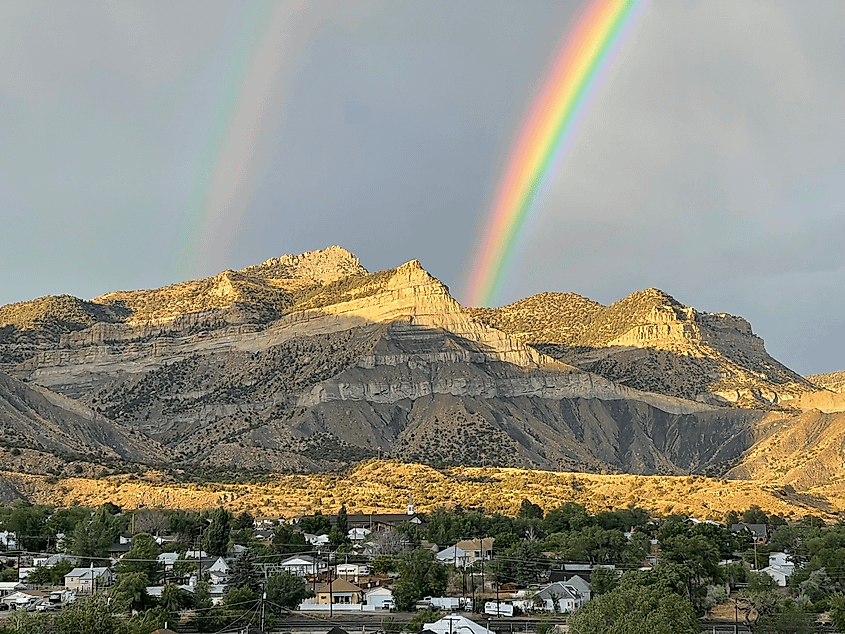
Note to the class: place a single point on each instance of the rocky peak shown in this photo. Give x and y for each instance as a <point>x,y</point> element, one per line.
<point>324,265</point>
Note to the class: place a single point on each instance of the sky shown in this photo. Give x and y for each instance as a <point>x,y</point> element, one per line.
<point>145,143</point>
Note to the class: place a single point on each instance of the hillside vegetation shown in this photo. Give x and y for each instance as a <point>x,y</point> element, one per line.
<point>384,486</point>
<point>833,381</point>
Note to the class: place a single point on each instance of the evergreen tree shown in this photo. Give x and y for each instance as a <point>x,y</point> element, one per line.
<point>342,523</point>
<point>242,573</point>
<point>142,557</point>
<point>285,590</point>
<point>216,537</point>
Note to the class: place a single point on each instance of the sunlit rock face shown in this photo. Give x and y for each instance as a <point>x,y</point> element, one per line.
<point>310,362</point>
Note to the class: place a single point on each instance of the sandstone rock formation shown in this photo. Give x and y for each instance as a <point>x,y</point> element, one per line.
<point>652,342</point>
<point>309,362</point>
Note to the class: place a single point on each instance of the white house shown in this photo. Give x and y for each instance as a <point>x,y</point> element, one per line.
<point>168,559</point>
<point>88,580</point>
<point>779,559</point>
<point>300,565</point>
<point>23,598</point>
<point>779,573</point>
<point>455,556</point>
<point>218,571</point>
<point>352,571</point>
<point>7,587</point>
<point>156,591</point>
<point>357,535</point>
<point>317,540</point>
<point>196,554</point>
<point>379,598</point>
<point>9,540</point>
<point>560,597</point>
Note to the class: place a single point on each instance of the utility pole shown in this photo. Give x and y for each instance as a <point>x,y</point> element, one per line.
<point>331,579</point>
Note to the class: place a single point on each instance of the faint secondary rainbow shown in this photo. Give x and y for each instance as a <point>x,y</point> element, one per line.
<point>545,136</point>
<point>269,38</point>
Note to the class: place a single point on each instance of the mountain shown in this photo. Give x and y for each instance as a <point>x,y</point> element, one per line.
<point>310,362</point>
<point>834,381</point>
<point>650,341</point>
<point>34,417</point>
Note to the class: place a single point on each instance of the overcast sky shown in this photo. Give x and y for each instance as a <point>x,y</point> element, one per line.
<point>146,143</point>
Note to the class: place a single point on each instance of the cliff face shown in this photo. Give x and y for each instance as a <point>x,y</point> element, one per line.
<point>310,362</point>
<point>652,342</point>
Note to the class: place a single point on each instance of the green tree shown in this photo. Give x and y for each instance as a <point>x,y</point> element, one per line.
<point>342,522</point>
<point>285,590</point>
<point>528,510</point>
<point>755,515</point>
<point>837,612</point>
<point>286,540</point>
<point>142,557</point>
<point>216,537</point>
<point>317,524</point>
<point>420,575</point>
<point>92,538</point>
<point>173,598</point>
<point>242,573</point>
<point>130,592</point>
<point>338,538</point>
<point>635,610</point>
<point>788,618</point>
<point>603,580</point>
<point>384,564</point>
<point>90,615</point>
<point>29,523</point>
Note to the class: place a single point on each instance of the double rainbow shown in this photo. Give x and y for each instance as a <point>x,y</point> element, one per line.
<point>546,134</point>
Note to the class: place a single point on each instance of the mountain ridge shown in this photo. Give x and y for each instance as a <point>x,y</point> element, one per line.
<point>310,362</point>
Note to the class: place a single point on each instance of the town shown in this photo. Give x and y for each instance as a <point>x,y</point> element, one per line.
<point>161,570</point>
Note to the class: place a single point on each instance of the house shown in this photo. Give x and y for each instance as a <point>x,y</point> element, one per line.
<point>338,591</point>
<point>7,587</point>
<point>352,570</point>
<point>118,550</point>
<point>779,572</point>
<point>216,592</point>
<point>780,559</point>
<point>168,559</point>
<point>357,535</point>
<point>455,624</point>
<point>381,521</point>
<point>300,565</point>
<point>466,552</point>
<point>9,540</point>
<point>455,556</point>
<point>477,548</point>
<point>759,532</point>
<point>155,591</point>
<point>379,598</point>
<point>88,580</point>
<point>218,570</point>
<point>196,554</point>
<point>560,597</point>
<point>318,541</point>
<point>52,560</point>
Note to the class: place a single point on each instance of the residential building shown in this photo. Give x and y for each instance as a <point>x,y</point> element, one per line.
<point>759,532</point>
<point>88,580</point>
<point>560,597</point>
<point>338,591</point>
<point>379,598</point>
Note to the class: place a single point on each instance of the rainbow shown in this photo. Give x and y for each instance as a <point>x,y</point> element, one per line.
<point>546,134</point>
<point>269,38</point>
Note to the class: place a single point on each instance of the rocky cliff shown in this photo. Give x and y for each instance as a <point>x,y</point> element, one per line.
<point>652,342</point>
<point>310,362</point>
